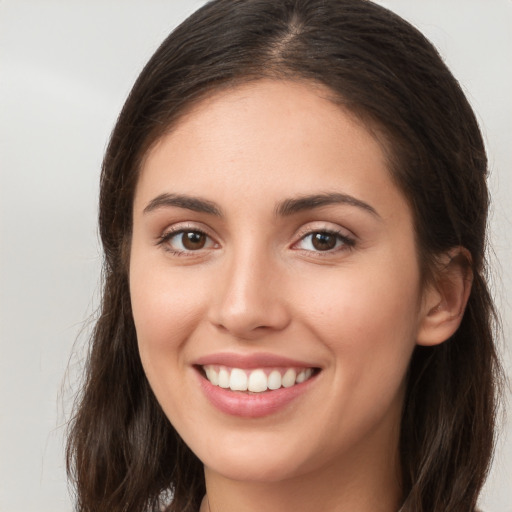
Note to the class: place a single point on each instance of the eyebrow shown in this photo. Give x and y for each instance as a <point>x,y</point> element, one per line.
<point>283,209</point>
<point>195,204</point>
<point>299,204</point>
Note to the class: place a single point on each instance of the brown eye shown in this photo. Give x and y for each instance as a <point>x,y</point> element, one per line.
<point>186,241</point>
<point>324,241</point>
<point>193,240</point>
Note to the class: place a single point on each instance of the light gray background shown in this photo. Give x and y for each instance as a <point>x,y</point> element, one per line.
<point>65,69</point>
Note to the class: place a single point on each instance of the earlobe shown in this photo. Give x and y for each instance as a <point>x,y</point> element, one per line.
<point>445,300</point>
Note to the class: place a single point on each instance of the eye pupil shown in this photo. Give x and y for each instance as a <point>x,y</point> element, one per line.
<point>323,241</point>
<point>192,240</point>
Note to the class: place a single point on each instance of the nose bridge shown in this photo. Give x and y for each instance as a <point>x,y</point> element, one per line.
<point>250,299</point>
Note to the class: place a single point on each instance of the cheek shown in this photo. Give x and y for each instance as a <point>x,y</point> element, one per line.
<point>368,323</point>
<point>367,314</point>
<point>166,308</point>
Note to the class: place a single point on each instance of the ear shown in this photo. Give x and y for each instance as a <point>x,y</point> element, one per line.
<point>445,299</point>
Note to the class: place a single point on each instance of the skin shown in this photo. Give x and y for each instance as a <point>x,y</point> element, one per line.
<point>259,285</point>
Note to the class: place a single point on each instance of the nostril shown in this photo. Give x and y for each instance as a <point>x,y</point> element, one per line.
<point>248,302</point>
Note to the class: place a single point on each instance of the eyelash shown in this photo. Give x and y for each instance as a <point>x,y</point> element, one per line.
<point>165,239</point>
<point>347,243</point>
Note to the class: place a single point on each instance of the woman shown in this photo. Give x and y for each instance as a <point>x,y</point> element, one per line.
<point>295,314</point>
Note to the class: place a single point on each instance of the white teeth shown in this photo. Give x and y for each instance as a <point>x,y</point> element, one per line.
<point>257,380</point>
<point>304,375</point>
<point>301,377</point>
<point>289,378</point>
<point>223,378</point>
<point>212,375</point>
<point>238,380</point>
<point>274,380</point>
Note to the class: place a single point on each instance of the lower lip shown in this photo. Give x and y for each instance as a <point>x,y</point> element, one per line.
<point>252,405</point>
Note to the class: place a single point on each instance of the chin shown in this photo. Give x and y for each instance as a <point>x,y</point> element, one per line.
<point>256,470</point>
<point>259,458</point>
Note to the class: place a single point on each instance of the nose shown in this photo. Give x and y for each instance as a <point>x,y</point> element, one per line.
<point>251,299</point>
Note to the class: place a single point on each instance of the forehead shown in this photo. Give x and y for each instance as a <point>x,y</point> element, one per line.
<point>267,138</point>
<point>298,110</point>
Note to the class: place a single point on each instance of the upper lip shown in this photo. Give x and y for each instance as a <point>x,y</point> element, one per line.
<point>255,360</point>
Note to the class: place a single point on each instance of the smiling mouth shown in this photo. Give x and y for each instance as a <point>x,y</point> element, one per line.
<point>256,380</point>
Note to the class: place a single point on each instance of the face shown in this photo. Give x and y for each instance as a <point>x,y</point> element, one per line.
<point>275,284</point>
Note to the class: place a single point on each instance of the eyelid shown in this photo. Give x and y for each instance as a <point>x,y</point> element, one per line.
<point>346,236</point>
<point>329,227</point>
<point>184,227</point>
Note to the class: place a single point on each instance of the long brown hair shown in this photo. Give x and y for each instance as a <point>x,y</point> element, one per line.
<point>123,454</point>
